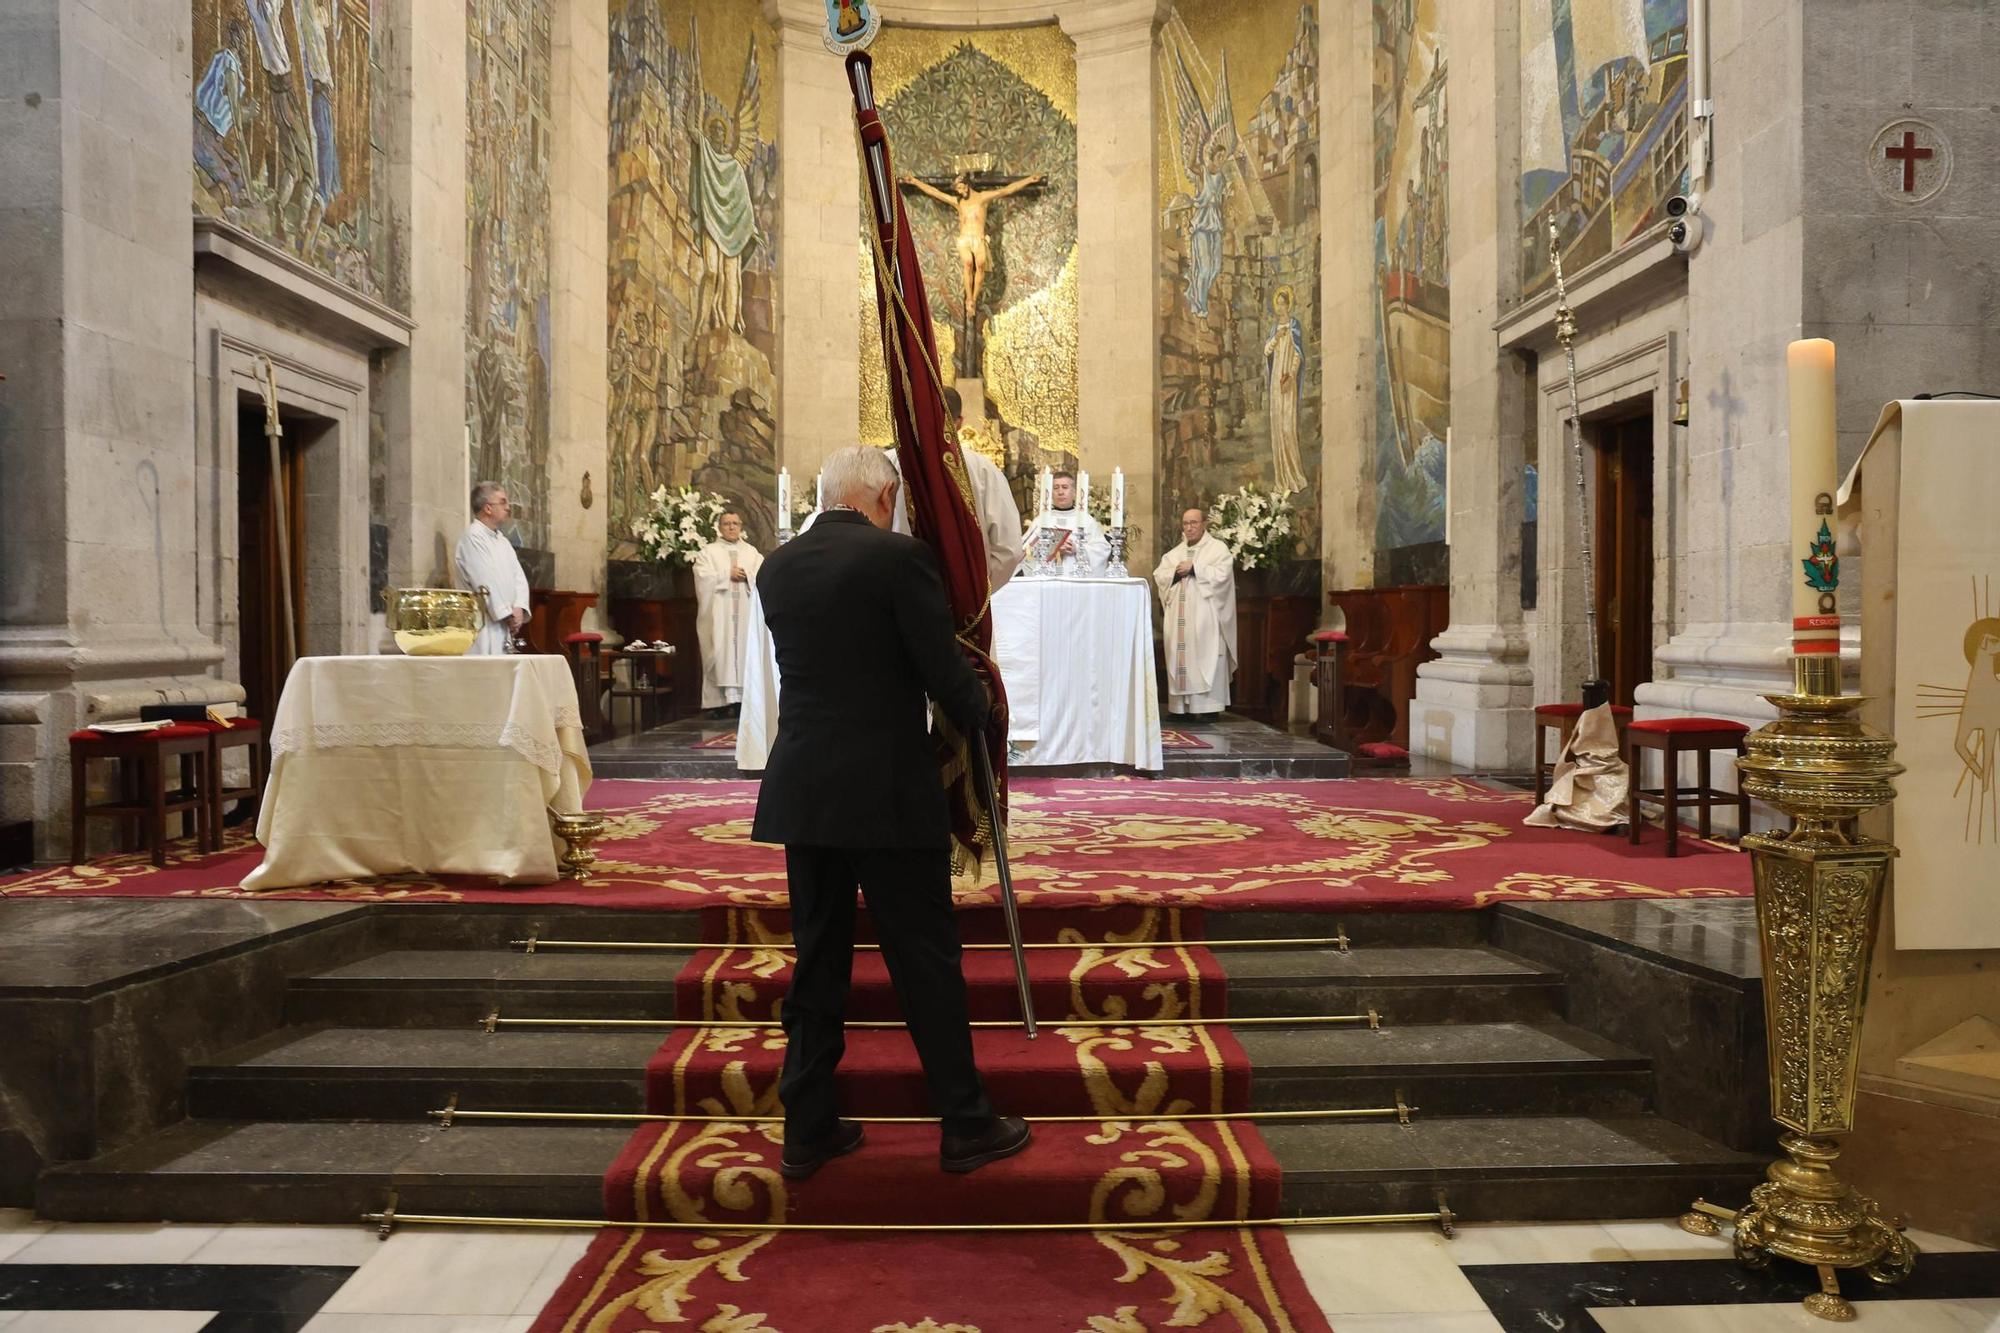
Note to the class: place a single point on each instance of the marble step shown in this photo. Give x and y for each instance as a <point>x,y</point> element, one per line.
<point>337,1073</point>
<point>1507,1168</point>
<point>442,988</point>
<point>1489,1168</point>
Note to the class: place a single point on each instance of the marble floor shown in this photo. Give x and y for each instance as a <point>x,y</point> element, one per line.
<point>1615,1277</point>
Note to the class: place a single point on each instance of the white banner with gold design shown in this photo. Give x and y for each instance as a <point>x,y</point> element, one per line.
<point>1931,593</point>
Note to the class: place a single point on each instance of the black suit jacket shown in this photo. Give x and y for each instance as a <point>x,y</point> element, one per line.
<point>863,633</point>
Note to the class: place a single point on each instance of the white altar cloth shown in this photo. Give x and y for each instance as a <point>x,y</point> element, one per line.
<point>435,765</point>
<point>1076,656</point>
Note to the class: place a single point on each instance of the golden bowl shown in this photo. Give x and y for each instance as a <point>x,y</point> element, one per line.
<point>435,622</point>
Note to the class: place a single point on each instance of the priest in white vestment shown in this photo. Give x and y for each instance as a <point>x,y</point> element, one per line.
<point>725,571</point>
<point>1081,547</point>
<point>1197,583</point>
<point>488,566</point>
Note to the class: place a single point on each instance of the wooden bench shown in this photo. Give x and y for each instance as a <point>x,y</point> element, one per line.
<point>1389,634</point>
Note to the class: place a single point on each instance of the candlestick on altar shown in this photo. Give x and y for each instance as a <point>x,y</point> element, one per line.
<point>1117,497</point>
<point>1814,569</point>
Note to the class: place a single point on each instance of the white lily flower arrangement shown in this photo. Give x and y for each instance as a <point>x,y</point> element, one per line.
<point>678,523</point>
<point>1255,524</point>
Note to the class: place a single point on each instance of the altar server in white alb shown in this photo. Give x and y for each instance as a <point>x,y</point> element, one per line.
<point>1197,583</point>
<point>724,576</point>
<point>487,565</point>
<point>1081,546</point>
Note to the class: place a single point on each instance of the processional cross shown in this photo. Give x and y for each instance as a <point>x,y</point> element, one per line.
<point>972,191</point>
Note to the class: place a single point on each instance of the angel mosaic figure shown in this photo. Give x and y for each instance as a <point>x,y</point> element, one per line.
<point>725,213</point>
<point>1207,146</point>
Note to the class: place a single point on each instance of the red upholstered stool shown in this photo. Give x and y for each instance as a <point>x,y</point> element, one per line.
<point>1674,737</point>
<point>1561,719</point>
<point>245,733</point>
<point>144,798</point>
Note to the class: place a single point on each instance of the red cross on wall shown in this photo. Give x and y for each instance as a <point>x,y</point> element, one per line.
<point>1909,155</point>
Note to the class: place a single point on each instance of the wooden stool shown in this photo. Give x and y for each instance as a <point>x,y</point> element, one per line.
<point>1674,737</point>
<point>1561,719</point>
<point>1329,715</point>
<point>245,733</point>
<point>142,783</point>
<point>586,665</point>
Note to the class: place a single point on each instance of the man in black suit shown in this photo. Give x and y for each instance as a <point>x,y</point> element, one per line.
<point>864,634</point>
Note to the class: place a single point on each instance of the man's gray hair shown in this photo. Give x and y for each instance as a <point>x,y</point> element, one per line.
<point>856,473</point>
<point>483,493</point>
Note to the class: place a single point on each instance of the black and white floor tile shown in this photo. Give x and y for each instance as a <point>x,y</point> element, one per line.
<point>1578,1277</point>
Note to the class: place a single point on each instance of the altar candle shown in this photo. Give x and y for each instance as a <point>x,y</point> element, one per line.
<point>784,499</point>
<point>1810,566</point>
<point>819,491</point>
<point>1118,497</point>
<point>1045,491</point>
<point>1083,492</point>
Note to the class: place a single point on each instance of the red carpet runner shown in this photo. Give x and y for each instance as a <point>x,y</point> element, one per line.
<point>1137,1163</point>
<point>1384,844</point>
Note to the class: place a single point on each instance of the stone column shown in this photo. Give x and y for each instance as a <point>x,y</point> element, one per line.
<point>1118,241</point>
<point>580,187</point>
<point>1474,704</point>
<point>1732,607</point>
<point>99,570</point>
<point>1347,294</point>
<point>819,211</point>
<point>423,406</point>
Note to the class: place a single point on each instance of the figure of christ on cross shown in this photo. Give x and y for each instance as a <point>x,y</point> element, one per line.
<point>975,252</point>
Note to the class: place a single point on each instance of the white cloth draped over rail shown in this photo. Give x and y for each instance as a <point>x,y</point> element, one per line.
<point>1076,656</point>
<point>1200,625</point>
<point>485,559</point>
<point>723,616</point>
<point>434,765</point>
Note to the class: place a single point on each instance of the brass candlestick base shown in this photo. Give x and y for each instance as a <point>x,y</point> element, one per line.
<point>1817,889</point>
<point>578,832</point>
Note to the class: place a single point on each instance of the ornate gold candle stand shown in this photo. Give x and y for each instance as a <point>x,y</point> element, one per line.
<point>578,832</point>
<point>1817,890</point>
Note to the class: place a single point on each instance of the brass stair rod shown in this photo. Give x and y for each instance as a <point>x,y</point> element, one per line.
<point>534,945</point>
<point>452,1115</point>
<point>385,1223</point>
<point>1373,1018</point>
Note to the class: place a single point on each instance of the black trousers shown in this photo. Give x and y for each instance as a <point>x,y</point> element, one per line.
<point>909,900</point>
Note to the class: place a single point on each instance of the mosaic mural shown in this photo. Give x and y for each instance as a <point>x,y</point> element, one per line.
<point>1412,287</point>
<point>693,258</point>
<point>1240,223</point>
<point>983,126</point>
<point>284,95</point>
<point>508,59</point>
<point>1603,125</point>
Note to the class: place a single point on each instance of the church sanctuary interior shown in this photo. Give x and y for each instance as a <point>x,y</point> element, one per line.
<point>1480,514</point>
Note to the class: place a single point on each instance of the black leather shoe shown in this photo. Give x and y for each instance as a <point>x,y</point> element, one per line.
<point>1003,1136</point>
<point>801,1160</point>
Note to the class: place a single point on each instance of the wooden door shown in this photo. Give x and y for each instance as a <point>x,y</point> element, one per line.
<point>1624,555</point>
<point>265,653</point>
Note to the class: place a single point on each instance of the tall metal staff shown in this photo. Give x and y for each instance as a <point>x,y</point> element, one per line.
<point>935,485</point>
<point>1596,690</point>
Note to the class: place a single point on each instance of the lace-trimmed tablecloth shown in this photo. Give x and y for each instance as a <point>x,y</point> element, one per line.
<point>435,765</point>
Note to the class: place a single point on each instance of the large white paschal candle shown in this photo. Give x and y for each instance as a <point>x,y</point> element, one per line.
<point>1118,497</point>
<point>1082,492</point>
<point>1811,565</point>
<point>1045,499</point>
<point>784,499</point>
<point>819,491</point>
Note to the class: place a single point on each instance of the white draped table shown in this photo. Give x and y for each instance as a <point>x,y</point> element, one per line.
<point>437,765</point>
<point>1076,656</point>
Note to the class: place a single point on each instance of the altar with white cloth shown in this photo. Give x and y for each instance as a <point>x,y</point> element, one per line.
<point>391,765</point>
<point>1075,654</point>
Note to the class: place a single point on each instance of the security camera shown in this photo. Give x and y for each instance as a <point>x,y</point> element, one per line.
<point>1687,232</point>
<point>1683,205</point>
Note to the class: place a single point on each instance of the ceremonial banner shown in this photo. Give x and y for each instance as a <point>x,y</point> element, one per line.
<point>1924,494</point>
<point>936,490</point>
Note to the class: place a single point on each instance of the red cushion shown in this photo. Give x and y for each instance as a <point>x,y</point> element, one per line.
<point>584,637</point>
<point>1330,636</point>
<point>1576,710</point>
<point>1382,750</point>
<point>1681,725</point>
<point>178,731</point>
